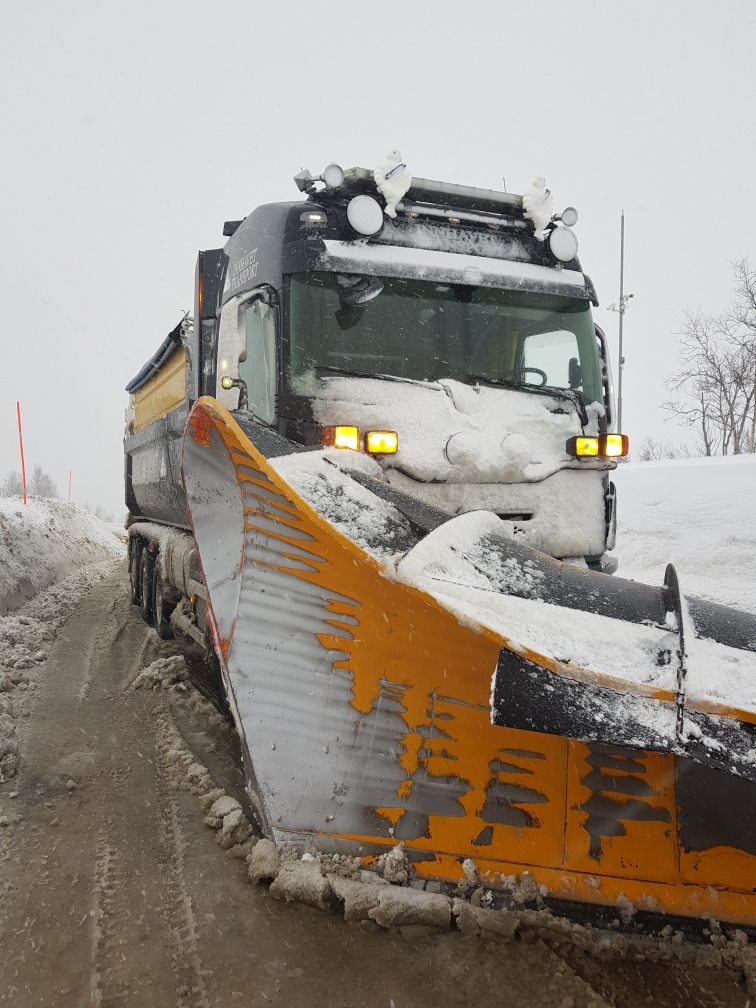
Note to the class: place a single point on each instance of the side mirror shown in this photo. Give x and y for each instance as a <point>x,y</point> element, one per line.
<point>574,373</point>
<point>357,289</point>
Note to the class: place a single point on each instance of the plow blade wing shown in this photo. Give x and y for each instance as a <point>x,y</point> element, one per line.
<point>372,666</point>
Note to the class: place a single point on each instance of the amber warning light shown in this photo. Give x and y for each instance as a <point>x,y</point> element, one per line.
<point>606,446</point>
<point>341,437</point>
<point>381,442</point>
<point>377,442</point>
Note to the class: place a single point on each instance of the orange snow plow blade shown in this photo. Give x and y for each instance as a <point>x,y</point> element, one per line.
<point>366,710</point>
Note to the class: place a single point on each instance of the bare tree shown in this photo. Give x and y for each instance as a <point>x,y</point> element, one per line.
<point>744,316</point>
<point>100,512</point>
<point>714,392</point>
<point>41,484</point>
<point>12,486</point>
<point>651,450</point>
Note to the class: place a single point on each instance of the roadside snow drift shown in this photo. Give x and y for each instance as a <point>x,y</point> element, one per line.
<point>698,514</point>
<point>44,541</point>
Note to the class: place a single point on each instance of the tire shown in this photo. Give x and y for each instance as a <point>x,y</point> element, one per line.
<point>146,567</point>
<point>161,608</point>
<point>134,572</point>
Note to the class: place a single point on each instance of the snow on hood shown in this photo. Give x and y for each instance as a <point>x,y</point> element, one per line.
<point>44,541</point>
<point>456,433</point>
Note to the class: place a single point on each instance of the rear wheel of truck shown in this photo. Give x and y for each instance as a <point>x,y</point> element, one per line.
<point>161,607</point>
<point>146,567</point>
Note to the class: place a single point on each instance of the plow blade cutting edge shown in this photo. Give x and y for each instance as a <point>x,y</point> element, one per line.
<point>466,695</point>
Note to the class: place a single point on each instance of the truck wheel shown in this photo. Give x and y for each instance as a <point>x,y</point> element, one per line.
<point>161,609</point>
<point>145,582</point>
<point>134,572</point>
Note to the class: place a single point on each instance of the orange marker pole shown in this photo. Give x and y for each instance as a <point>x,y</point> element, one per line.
<point>21,446</point>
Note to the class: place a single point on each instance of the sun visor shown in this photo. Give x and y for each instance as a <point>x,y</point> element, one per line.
<point>452,267</point>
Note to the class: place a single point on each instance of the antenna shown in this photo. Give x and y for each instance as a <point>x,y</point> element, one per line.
<point>621,320</point>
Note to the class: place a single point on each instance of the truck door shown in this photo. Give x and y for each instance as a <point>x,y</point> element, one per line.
<point>246,350</point>
<point>257,361</point>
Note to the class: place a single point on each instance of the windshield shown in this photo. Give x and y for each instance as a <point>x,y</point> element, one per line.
<point>425,330</point>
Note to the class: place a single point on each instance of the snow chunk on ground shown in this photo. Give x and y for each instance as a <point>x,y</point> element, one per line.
<point>44,541</point>
<point>304,882</point>
<point>398,906</point>
<point>265,862</point>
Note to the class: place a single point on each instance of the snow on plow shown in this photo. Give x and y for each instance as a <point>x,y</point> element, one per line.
<point>398,677</point>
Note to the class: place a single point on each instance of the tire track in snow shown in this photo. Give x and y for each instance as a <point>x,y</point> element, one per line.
<point>182,922</point>
<point>103,861</point>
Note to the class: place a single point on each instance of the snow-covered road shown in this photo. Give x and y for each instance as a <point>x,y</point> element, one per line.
<point>114,891</point>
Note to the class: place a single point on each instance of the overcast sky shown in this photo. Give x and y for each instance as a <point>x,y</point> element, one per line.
<point>130,132</point>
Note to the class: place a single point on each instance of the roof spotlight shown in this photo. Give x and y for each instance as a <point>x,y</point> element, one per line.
<point>333,176</point>
<point>365,215</point>
<point>563,244</point>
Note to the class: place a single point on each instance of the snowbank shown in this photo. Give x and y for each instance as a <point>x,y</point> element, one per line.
<point>698,514</point>
<point>44,541</point>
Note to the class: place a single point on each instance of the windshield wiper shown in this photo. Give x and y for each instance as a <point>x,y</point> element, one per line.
<point>368,374</point>
<point>571,395</point>
<point>506,382</point>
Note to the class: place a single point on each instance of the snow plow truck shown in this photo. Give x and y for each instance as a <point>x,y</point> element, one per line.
<point>369,492</point>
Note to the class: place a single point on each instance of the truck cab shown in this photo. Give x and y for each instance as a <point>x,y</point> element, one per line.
<point>447,351</point>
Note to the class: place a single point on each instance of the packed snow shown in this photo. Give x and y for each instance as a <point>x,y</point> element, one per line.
<point>50,553</point>
<point>463,448</point>
<point>45,540</point>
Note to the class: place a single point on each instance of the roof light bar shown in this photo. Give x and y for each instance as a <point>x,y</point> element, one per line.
<point>456,216</point>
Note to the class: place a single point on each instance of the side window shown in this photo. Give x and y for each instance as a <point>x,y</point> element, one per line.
<point>257,363</point>
<point>555,354</point>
